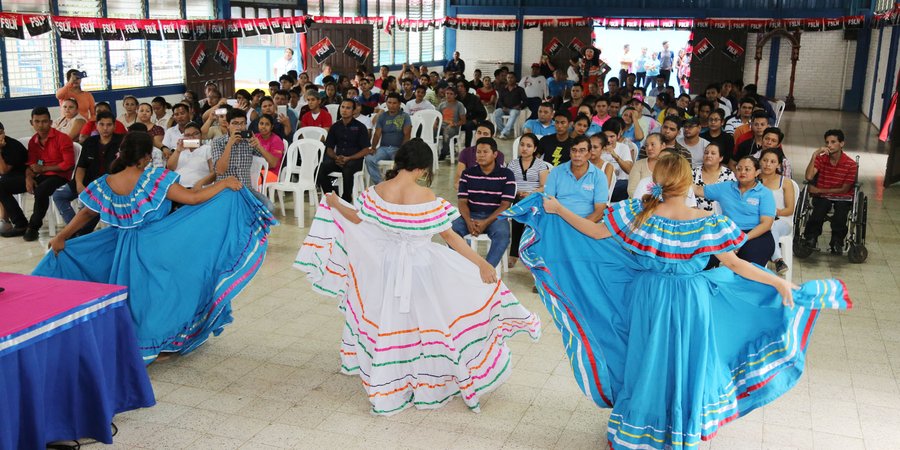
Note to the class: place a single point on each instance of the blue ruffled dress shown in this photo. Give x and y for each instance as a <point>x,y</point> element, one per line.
<point>675,351</point>
<point>182,269</point>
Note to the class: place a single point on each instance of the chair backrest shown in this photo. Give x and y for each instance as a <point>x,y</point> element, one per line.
<point>779,110</point>
<point>315,133</point>
<point>796,194</point>
<point>333,110</point>
<point>430,121</point>
<point>515,147</point>
<point>311,154</point>
<point>257,174</point>
<point>24,141</point>
<point>76,149</point>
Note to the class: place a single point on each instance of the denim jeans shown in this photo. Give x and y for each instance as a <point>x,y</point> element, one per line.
<point>383,153</point>
<point>262,197</point>
<point>62,198</point>
<point>498,232</point>
<point>507,129</point>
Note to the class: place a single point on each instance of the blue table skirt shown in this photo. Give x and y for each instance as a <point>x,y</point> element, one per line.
<point>71,384</point>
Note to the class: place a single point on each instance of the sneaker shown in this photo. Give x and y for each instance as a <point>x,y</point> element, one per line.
<point>14,231</point>
<point>31,234</point>
<point>781,267</point>
<point>836,249</point>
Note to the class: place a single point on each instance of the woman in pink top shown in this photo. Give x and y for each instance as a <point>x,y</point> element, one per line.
<point>272,143</point>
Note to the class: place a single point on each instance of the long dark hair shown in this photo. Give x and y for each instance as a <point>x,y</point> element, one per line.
<point>135,146</point>
<point>414,154</point>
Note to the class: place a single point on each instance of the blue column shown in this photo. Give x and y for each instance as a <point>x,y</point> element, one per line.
<point>449,36</point>
<point>772,78</point>
<point>517,55</point>
<point>854,95</point>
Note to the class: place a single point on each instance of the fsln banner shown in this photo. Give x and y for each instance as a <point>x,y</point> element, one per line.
<point>322,50</point>
<point>357,50</point>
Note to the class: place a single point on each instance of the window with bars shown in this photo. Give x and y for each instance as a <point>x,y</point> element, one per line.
<point>166,57</point>
<point>408,46</point>
<point>88,56</point>
<point>30,62</point>
<point>127,59</point>
<point>333,8</point>
<point>883,5</point>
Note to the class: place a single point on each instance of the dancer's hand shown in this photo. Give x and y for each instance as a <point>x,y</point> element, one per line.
<point>57,245</point>
<point>232,183</point>
<point>332,199</point>
<point>552,205</point>
<point>785,289</point>
<point>488,273</point>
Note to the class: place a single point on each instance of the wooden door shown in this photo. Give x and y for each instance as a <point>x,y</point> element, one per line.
<point>565,36</point>
<point>211,69</point>
<point>339,34</point>
<point>716,66</point>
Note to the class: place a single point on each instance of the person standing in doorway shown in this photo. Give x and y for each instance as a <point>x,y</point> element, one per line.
<point>666,61</point>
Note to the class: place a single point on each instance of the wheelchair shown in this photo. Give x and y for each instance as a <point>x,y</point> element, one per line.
<point>855,243</point>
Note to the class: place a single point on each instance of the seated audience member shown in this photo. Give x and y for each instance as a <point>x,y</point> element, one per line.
<point>715,135</point>
<point>593,128</point>
<point>487,94</point>
<point>601,110</point>
<point>368,99</point>
<point>751,143</point>
<point>543,125</point>
<point>419,103</point>
<point>742,116</point>
<point>580,126</point>
<point>97,153</point>
<point>619,155</point>
<point>316,116</point>
<point>783,191</point>
<point>485,191</point>
<point>831,174</point>
<point>70,122</point>
<point>761,101</point>
<point>181,113</point>
<point>282,98</point>
<point>49,166</point>
<point>713,96</point>
<point>345,147</point>
<point>711,172</point>
<point>332,97</point>
<point>558,85</point>
<point>475,112</point>
<point>555,148</point>
<point>193,163</point>
<point>634,131</point>
<point>579,185</point>
<point>363,119</point>
<point>772,139</point>
<point>750,205</point>
<point>575,100</point>
<point>407,90</point>
<point>535,86</point>
<point>145,117</point>
<point>216,123</point>
<point>510,103</point>
<point>283,126</point>
<point>598,143</point>
<point>13,159</point>
<point>233,155</point>
<point>643,167</point>
<point>615,105</point>
<point>90,127</point>
<point>453,115</point>
<point>530,173</point>
<point>272,143</point>
<point>632,148</point>
<point>467,159</point>
<point>669,130</point>
<point>130,105</point>
<point>161,112</point>
<point>691,140</point>
<point>392,129</point>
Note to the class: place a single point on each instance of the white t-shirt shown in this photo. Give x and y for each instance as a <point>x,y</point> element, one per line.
<point>193,165</point>
<point>696,150</point>
<point>282,66</point>
<point>643,188</point>
<point>162,122</point>
<point>624,154</point>
<point>170,139</point>
<point>535,86</point>
<point>412,107</point>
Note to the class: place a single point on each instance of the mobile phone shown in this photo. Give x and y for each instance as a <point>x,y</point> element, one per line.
<point>221,111</point>
<point>246,134</point>
<point>231,101</point>
<point>191,143</point>
<point>282,109</point>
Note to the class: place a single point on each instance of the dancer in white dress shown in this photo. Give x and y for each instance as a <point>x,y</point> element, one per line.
<point>423,323</point>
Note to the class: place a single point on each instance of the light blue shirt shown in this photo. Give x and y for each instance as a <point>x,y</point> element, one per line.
<point>744,209</point>
<point>540,129</point>
<point>578,195</point>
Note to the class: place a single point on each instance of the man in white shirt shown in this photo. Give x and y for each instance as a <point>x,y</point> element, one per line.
<point>536,90</point>
<point>193,164</point>
<point>691,140</point>
<point>182,116</point>
<point>283,65</point>
<point>419,103</point>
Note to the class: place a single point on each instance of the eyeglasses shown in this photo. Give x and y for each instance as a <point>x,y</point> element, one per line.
<point>579,150</point>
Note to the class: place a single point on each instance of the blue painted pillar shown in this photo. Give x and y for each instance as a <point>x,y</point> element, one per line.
<point>449,36</point>
<point>772,77</point>
<point>517,54</point>
<point>854,95</point>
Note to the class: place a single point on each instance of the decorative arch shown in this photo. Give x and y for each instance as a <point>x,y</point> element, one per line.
<point>794,39</point>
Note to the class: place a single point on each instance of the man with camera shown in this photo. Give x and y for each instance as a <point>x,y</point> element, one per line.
<point>72,89</point>
<point>233,154</point>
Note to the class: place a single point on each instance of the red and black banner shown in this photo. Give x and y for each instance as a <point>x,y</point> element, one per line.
<point>322,50</point>
<point>576,46</point>
<point>224,56</point>
<point>357,50</point>
<point>198,58</point>
<point>703,48</point>
<point>12,26</point>
<point>553,47</point>
<point>732,50</point>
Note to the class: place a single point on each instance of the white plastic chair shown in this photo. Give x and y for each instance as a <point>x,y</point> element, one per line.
<point>454,148</point>
<point>779,111</point>
<point>316,133</point>
<point>311,152</point>
<point>359,181</point>
<point>333,110</point>
<point>515,147</point>
<point>54,218</point>
<point>504,260</point>
<point>258,170</point>
<point>430,122</point>
<point>787,242</point>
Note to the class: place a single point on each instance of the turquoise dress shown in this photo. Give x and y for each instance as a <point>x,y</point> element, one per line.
<point>675,351</point>
<point>182,269</point>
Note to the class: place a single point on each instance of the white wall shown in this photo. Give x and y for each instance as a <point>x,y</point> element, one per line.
<point>880,76</point>
<point>495,46</point>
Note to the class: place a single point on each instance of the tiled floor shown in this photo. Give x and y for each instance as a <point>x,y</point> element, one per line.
<point>271,379</point>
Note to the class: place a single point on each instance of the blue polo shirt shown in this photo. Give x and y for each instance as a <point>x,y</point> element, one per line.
<point>540,129</point>
<point>579,195</point>
<point>744,209</point>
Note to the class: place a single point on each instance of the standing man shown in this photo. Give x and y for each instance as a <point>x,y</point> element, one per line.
<point>579,185</point>
<point>640,71</point>
<point>233,154</point>
<point>511,101</point>
<point>49,166</point>
<point>626,62</point>
<point>345,147</point>
<point>456,65</point>
<point>392,129</point>
<point>72,89</point>
<point>666,61</point>
<point>283,65</point>
<point>536,89</point>
<point>831,174</point>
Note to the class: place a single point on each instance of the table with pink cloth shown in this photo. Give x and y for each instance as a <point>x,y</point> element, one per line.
<point>69,361</point>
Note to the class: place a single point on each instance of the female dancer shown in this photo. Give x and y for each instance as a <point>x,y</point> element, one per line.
<point>421,325</point>
<point>177,297</point>
<point>675,351</point>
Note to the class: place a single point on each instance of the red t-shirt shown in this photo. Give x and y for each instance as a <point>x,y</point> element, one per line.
<point>835,175</point>
<point>323,121</point>
<point>90,128</point>
<point>57,151</point>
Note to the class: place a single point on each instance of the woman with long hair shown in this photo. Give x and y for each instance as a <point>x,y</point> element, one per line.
<point>712,171</point>
<point>530,172</point>
<point>675,351</point>
<point>70,122</point>
<point>770,161</point>
<point>181,272</point>
<point>423,323</point>
<point>145,117</point>
<point>130,116</point>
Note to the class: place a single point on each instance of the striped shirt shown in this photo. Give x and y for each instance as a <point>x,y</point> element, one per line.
<point>529,179</point>
<point>832,176</point>
<point>485,192</point>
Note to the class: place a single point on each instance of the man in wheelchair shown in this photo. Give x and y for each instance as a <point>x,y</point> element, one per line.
<point>831,175</point>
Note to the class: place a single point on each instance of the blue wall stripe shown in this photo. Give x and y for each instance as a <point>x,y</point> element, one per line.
<point>772,77</point>
<point>875,78</point>
<point>853,97</point>
<point>27,103</point>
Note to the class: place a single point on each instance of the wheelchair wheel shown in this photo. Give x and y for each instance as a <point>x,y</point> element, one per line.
<point>857,253</point>
<point>800,248</point>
